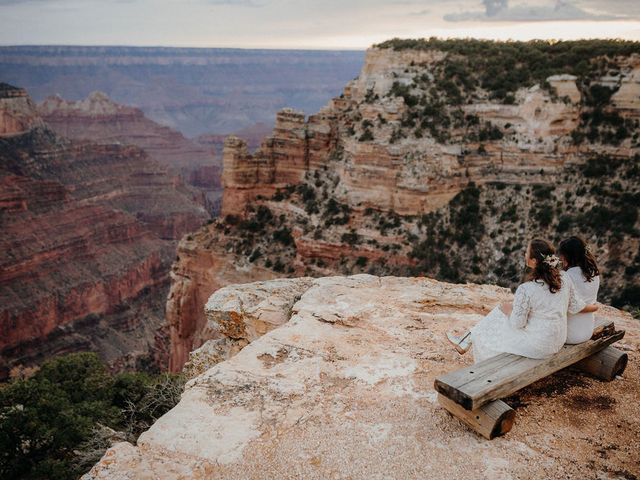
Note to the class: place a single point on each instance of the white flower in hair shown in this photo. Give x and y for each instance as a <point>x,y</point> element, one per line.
<point>552,260</point>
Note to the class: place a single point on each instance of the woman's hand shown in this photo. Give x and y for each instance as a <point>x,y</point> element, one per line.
<point>506,308</point>
<point>590,308</point>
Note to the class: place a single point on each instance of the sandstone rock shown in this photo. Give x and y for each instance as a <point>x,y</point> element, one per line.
<point>565,86</point>
<point>414,175</point>
<point>238,314</point>
<point>195,276</point>
<point>88,237</point>
<point>344,389</point>
<point>17,111</point>
<point>305,164</point>
<point>99,119</point>
<point>627,97</point>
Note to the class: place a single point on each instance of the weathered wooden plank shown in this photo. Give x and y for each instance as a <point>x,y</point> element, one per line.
<point>473,386</point>
<point>606,365</point>
<point>491,420</point>
<point>602,328</point>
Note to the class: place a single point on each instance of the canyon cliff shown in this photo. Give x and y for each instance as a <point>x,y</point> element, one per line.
<point>336,381</point>
<point>442,158</point>
<point>99,119</point>
<point>88,235</point>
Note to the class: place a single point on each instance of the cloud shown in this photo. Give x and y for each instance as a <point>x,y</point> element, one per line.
<point>238,3</point>
<point>499,11</point>
<point>52,2</point>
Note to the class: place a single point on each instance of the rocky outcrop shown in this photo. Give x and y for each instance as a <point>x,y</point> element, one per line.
<point>98,119</point>
<point>195,275</point>
<point>344,389</point>
<point>627,96</point>
<point>282,160</point>
<point>17,112</point>
<point>417,168</point>
<point>88,237</point>
<point>411,175</point>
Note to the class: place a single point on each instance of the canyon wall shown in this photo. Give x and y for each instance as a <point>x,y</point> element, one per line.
<point>98,119</point>
<point>431,163</point>
<point>88,236</point>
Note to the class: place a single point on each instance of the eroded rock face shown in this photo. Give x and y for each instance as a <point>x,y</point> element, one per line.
<point>413,175</point>
<point>195,276</point>
<point>17,111</point>
<point>88,237</point>
<point>344,389</point>
<point>398,176</point>
<point>99,119</point>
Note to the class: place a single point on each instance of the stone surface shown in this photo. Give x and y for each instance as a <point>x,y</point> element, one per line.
<point>194,277</point>
<point>238,314</point>
<point>344,389</point>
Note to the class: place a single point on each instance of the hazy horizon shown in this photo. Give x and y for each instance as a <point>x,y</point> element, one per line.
<point>306,24</point>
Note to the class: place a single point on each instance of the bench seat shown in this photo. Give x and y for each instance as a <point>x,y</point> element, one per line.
<point>483,384</point>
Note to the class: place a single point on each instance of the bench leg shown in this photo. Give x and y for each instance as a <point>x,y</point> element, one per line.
<point>606,364</point>
<point>491,420</point>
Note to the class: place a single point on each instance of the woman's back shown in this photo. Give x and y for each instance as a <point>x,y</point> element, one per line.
<point>548,312</point>
<point>580,325</point>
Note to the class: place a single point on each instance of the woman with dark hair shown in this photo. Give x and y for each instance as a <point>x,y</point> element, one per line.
<point>535,324</point>
<point>581,266</point>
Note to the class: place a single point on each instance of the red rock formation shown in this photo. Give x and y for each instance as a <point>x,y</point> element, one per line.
<point>99,119</point>
<point>16,111</point>
<point>282,160</point>
<point>88,235</point>
<point>195,276</point>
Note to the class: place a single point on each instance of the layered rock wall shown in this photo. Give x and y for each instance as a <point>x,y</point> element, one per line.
<point>98,119</point>
<point>88,237</point>
<point>413,175</point>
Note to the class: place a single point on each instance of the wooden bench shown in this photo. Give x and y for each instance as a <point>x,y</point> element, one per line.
<point>472,394</point>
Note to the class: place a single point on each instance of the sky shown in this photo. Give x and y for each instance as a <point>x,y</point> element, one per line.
<point>316,24</point>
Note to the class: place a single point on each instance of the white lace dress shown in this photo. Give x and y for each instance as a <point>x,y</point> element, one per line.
<point>537,326</point>
<point>580,325</point>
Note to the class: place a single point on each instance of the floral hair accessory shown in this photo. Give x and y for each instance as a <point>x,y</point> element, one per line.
<point>552,260</point>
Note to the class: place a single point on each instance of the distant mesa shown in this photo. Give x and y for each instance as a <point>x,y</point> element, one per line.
<point>96,104</point>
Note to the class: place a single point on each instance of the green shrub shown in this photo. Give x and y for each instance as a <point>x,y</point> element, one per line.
<point>46,421</point>
<point>366,136</point>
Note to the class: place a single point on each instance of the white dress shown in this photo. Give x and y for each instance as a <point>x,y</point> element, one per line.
<point>537,326</point>
<point>580,325</point>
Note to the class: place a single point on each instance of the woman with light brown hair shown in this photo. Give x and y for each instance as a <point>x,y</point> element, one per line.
<point>535,324</point>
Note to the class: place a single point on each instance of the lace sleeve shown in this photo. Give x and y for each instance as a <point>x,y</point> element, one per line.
<point>521,308</point>
<point>576,303</point>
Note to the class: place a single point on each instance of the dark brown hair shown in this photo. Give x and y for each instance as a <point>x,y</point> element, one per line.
<point>575,252</point>
<point>539,250</point>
